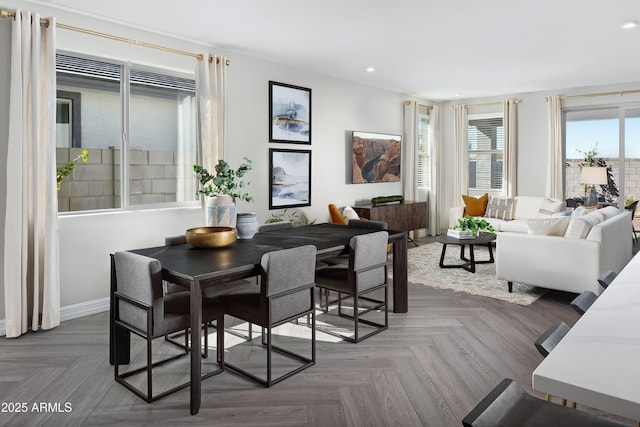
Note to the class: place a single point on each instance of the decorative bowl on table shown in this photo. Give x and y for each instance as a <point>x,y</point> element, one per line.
<point>211,237</point>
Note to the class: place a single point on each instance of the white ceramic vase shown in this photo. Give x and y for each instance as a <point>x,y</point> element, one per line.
<point>221,211</point>
<point>247,225</point>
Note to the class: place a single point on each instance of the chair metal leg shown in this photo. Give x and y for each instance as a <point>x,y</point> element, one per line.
<point>267,342</point>
<point>356,317</point>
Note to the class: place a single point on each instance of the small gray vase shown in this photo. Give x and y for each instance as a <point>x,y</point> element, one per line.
<point>246,224</point>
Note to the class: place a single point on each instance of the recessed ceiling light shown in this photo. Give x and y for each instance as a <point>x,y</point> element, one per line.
<point>458,94</point>
<point>370,69</point>
<point>629,25</point>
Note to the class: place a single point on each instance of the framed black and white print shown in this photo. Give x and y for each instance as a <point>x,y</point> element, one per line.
<point>289,178</point>
<point>289,113</point>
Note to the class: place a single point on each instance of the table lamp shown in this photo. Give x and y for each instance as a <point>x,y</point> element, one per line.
<point>592,176</point>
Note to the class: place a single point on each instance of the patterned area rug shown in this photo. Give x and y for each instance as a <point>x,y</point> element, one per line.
<point>423,269</point>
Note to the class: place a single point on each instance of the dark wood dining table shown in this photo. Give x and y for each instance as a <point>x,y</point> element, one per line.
<point>199,268</point>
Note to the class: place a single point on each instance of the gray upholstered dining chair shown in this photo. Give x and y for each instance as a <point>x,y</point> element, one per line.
<point>582,302</point>
<point>142,308</point>
<point>343,259</point>
<point>549,340</point>
<point>286,294</point>
<point>273,226</point>
<point>366,272</point>
<point>606,278</point>
<point>507,405</point>
<point>374,225</point>
<point>211,292</point>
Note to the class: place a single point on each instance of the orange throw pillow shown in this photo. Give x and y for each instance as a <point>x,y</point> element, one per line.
<point>336,216</point>
<point>475,206</point>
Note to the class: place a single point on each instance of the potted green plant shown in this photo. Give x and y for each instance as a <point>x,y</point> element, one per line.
<point>473,225</point>
<point>295,217</point>
<point>222,189</point>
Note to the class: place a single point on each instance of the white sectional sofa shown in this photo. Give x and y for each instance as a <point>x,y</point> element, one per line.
<point>593,243</point>
<point>523,208</point>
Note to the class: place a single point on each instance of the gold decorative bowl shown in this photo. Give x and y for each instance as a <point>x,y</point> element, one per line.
<point>211,237</point>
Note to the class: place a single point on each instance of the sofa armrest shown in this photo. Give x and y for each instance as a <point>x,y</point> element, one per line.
<point>552,262</point>
<point>455,214</point>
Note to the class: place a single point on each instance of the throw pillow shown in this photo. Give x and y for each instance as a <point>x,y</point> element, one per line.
<point>349,213</point>
<point>548,226</point>
<point>500,207</point>
<point>580,227</point>
<point>475,206</point>
<point>335,215</point>
<point>579,211</point>
<point>549,207</point>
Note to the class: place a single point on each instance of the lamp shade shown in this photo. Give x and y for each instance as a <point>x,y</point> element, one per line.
<point>593,175</point>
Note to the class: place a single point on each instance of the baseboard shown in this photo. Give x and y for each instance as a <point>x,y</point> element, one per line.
<point>84,309</point>
<point>74,311</point>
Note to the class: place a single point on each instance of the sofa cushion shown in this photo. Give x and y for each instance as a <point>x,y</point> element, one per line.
<point>525,207</point>
<point>515,226</point>
<point>580,226</point>
<point>475,206</point>
<point>550,207</point>
<point>609,212</point>
<point>500,207</point>
<point>548,226</point>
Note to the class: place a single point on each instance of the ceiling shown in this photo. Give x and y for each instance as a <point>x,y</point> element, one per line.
<point>434,49</point>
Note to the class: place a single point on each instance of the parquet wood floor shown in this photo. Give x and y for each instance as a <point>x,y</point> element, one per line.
<point>429,368</point>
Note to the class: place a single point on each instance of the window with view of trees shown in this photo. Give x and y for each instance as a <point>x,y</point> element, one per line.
<point>139,127</point>
<point>486,152</point>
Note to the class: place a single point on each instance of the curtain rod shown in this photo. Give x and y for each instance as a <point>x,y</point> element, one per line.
<point>45,22</point>
<point>587,95</point>
<point>517,101</point>
<point>408,101</point>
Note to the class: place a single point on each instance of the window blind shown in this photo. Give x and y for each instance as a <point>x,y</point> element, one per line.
<point>486,153</point>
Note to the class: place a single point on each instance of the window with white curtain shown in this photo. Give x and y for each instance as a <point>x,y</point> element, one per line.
<point>147,114</point>
<point>424,150</point>
<point>486,152</point>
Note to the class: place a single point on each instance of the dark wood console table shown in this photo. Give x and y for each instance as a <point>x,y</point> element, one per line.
<point>405,216</point>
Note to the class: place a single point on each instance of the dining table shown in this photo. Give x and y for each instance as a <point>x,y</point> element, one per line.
<point>198,268</point>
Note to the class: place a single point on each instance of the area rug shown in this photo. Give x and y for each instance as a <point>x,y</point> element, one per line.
<point>423,269</point>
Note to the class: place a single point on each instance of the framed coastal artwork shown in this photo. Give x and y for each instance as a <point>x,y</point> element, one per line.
<point>376,157</point>
<point>289,113</point>
<point>289,178</point>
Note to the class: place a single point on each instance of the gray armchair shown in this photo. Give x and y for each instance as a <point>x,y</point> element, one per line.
<point>142,308</point>
<point>366,272</point>
<point>286,294</point>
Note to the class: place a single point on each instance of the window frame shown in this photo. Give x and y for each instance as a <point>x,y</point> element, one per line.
<point>481,116</point>
<point>124,143</point>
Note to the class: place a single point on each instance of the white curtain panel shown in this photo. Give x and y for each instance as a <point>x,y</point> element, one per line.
<point>410,167</point>
<point>510,117</point>
<point>461,156</point>
<point>554,188</point>
<point>211,88</point>
<point>31,250</point>
<point>435,195</point>
<point>187,151</point>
